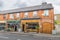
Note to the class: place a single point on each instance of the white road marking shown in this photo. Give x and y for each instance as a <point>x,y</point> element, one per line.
<point>3,37</point>
<point>18,39</point>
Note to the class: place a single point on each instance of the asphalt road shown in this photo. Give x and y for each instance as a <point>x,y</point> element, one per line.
<point>8,36</point>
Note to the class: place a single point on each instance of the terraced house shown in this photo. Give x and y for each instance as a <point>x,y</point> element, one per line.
<point>38,18</point>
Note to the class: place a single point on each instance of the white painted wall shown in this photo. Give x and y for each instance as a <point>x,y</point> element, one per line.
<point>57,28</point>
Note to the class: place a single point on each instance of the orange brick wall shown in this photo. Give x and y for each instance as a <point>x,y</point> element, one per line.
<point>50,12</point>
<point>14,16</point>
<point>7,16</point>
<point>1,17</point>
<point>39,14</point>
<point>30,14</point>
<point>22,15</point>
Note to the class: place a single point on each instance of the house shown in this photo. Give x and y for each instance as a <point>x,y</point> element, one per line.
<point>38,18</point>
<point>57,22</point>
<point>57,18</point>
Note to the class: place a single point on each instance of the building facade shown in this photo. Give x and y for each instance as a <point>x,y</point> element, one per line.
<point>57,22</point>
<point>31,19</point>
<point>57,18</point>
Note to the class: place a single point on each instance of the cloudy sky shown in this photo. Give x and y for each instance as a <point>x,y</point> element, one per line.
<point>12,4</point>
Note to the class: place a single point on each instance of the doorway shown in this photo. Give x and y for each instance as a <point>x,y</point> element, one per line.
<point>47,27</point>
<point>23,27</point>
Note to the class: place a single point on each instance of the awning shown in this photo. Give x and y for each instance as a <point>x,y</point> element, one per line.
<point>13,21</point>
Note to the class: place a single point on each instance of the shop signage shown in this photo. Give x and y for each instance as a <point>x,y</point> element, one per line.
<point>47,20</point>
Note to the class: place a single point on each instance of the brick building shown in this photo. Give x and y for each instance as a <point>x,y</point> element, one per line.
<point>38,18</point>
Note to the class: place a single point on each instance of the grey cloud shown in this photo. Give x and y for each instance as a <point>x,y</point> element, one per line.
<point>1,4</point>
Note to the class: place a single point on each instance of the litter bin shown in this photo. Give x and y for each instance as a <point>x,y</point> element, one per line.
<point>54,32</point>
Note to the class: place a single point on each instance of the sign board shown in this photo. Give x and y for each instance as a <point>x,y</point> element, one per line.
<point>47,20</point>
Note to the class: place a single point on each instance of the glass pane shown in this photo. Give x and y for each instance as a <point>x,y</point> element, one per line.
<point>35,13</point>
<point>26,14</point>
<point>32,26</point>
<point>17,15</point>
<point>11,16</point>
<point>45,12</point>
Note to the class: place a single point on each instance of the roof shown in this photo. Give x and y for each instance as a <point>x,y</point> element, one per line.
<point>43,6</point>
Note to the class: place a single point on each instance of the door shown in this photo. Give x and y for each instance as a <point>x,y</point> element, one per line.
<point>47,27</point>
<point>23,27</point>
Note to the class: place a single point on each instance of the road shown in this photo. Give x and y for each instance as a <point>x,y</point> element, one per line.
<point>9,36</point>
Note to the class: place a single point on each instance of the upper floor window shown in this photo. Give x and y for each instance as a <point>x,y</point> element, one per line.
<point>35,13</point>
<point>11,16</point>
<point>55,17</point>
<point>26,14</point>
<point>17,15</point>
<point>4,16</point>
<point>45,13</point>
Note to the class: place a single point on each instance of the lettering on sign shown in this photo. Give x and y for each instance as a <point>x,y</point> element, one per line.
<point>47,20</point>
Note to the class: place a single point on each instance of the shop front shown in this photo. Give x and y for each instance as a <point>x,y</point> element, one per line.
<point>37,25</point>
<point>13,25</point>
<point>30,25</point>
<point>2,25</point>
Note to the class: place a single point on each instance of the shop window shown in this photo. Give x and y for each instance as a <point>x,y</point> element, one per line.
<point>17,15</point>
<point>2,26</point>
<point>11,16</point>
<point>25,14</point>
<point>32,26</point>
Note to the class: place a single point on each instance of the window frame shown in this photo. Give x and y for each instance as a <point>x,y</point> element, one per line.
<point>11,16</point>
<point>25,14</point>
<point>17,15</point>
<point>55,17</point>
<point>34,13</point>
<point>46,13</point>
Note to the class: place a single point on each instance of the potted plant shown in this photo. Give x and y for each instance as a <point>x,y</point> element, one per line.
<point>37,28</point>
<point>9,29</point>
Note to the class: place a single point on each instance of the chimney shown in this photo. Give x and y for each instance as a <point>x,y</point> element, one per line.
<point>44,2</point>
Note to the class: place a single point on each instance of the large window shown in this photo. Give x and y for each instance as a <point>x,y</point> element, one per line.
<point>2,26</point>
<point>32,25</point>
<point>45,13</point>
<point>11,16</point>
<point>34,13</point>
<point>17,15</point>
<point>26,14</point>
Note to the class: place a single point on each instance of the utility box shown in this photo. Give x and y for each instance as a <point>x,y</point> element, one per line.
<point>54,32</point>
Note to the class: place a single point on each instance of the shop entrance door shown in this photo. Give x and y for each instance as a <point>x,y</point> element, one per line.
<point>23,27</point>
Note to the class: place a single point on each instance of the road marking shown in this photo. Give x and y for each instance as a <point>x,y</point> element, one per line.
<point>3,37</point>
<point>18,39</point>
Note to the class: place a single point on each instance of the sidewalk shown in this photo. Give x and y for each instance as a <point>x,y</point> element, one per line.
<point>46,35</point>
<point>33,34</point>
<point>37,34</point>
